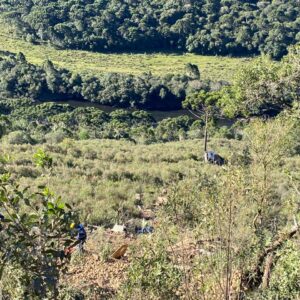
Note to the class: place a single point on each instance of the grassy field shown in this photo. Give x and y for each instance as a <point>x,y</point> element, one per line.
<point>84,62</point>
<point>102,177</point>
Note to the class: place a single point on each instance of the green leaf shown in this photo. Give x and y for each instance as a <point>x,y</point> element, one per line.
<point>61,205</point>
<point>51,212</point>
<point>50,205</point>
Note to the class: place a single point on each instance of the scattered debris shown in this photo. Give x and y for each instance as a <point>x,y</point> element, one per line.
<point>214,158</point>
<point>120,252</point>
<point>147,214</point>
<point>161,200</point>
<point>119,228</point>
<point>144,230</point>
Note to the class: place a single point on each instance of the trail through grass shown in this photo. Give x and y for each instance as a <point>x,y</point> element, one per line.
<point>90,63</point>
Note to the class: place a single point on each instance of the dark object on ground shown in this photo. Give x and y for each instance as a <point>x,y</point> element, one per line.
<point>1,219</point>
<point>214,158</point>
<point>120,252</point>
<point>144,230</point>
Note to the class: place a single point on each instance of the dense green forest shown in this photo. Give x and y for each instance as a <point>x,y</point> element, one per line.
<point>220,27</point>
<point>52,123</point>
<point>262,87</point>
<point>22,79</point>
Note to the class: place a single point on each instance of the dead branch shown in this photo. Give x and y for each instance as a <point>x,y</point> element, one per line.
<point>260,275</point>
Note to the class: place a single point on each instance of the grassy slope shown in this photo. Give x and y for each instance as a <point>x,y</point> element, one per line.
<point>103,176</point>
<point>83,62</point>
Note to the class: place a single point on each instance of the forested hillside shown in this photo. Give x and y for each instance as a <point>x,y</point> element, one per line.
<point>200,26</point>
<point>22,79</point>
<point>131,167</point>
<point>261,87</point>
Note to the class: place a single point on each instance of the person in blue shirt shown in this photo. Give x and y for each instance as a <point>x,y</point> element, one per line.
<point>80,238</point>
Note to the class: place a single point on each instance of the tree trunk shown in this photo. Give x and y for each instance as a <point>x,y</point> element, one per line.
<point>267,271</point>
<point>229,258</point>
<point>206,132</point>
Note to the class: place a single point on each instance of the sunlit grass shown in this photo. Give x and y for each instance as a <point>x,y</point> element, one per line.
<point>84,62</point>
<point>102,177</point>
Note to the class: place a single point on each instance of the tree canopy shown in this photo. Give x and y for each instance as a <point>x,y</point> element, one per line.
<point>264,87</point>
<point>19,78</point>
<point>204,27</point>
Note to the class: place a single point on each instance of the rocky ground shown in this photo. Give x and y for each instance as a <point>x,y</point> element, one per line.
<point>96,271</point>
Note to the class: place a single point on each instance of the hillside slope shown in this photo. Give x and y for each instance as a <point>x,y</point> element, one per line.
<point>94,64</point>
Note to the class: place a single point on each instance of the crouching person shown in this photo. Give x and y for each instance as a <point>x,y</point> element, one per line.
<point>81,236</point>
<point>80,239</point>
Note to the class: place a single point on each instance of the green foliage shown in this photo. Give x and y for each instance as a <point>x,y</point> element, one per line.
<point>18,137</point>
<point>152,274</point>
<point>94,64</point>
<point>4,125</point>
<point>220,219</point>
<point>42,159</point>
<point>285,281</point>
<point>35,233</point>
<point>206,27</point>
<point>12,283</point>
<point>225,132</point>
<point>188,204</point>
<point>18,79</point>
<point>52,123</point>
<point>201,101</point>
<point>192,71</point>
<point>264,87</point>
<point>172,128</point>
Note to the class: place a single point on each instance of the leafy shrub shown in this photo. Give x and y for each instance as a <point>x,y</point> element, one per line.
<point>18,138</point>
<point>28,172</point>
<point>70,293</point>
<point>56,137</point>
<point>152,275</point>
<point>90,154</point>
<point>285,279</point>
<point>25,243</point>
<point>12,285</point>
<point>83,134</point>
<point>224,132</point>
<point>75,152</point>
